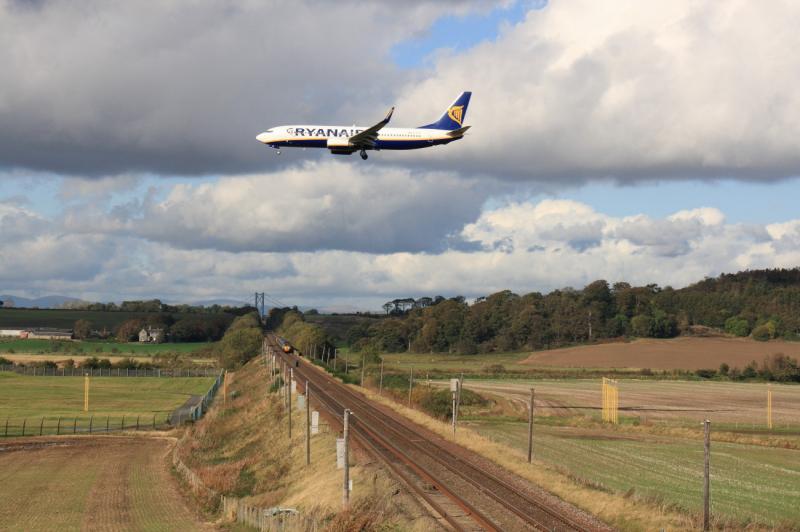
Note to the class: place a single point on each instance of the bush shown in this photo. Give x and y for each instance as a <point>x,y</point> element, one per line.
<point>239,346</point>
<point>724,369</point>
<point>764,332</point>
<point>705,373</point>
<point>6,362</point>
<point>737,326</point>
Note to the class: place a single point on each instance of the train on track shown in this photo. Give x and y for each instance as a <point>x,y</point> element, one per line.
<point>286,346</point>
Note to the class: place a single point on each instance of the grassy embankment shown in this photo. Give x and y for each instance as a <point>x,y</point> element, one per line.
<point>241,448</point>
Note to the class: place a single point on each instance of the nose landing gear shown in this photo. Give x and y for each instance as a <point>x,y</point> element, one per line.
<point>363,154</point>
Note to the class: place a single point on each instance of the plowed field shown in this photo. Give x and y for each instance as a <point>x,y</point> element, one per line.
<point>91,484</point>
<point>676,353</point>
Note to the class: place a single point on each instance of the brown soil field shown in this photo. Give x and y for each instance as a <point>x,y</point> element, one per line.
<point>654,400</point>
<point>676,353</point>
<point>105,483</point>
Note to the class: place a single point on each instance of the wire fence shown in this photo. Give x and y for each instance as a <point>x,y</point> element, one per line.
<point>108,372</point>
<point>58,425</point>
<point>234,509</point>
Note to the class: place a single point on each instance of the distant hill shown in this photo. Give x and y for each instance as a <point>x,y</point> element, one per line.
<point>53,301</point>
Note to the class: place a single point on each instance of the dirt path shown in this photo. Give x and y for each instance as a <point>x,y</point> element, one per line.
<point>108,484</point>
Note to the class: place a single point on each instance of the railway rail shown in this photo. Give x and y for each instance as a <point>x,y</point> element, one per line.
<point>452,480</point>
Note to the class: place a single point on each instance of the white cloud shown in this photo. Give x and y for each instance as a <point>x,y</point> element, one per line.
<point>542,247</point>
<point>325,205</point>
<point>632,90</point>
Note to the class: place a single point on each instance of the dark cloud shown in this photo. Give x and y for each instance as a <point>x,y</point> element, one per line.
<point>174,88</point>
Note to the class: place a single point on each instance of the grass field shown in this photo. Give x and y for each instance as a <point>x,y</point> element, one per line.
<point>657,453</point>
<point>52,397</point>
<point>94,348</point>
<point>749,482</point>
<point>676,353</point>
<point>93,484</point>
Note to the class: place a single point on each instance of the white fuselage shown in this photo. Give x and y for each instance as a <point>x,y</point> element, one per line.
<point>336,137</point>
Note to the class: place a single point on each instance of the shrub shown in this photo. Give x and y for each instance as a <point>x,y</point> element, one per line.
<point>239,346</point>
<point>764,332</point>
<point>705,373</point>
<point>737,326</point>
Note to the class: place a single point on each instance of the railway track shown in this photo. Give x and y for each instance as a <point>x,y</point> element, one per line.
<point>457,485</point>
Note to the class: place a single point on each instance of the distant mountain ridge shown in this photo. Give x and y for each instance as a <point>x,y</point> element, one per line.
<point>52,301</point>
<point>57,301</point>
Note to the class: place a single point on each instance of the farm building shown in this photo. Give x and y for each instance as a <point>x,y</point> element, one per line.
<point>16,333</point>
<point>50,333</point>
<point>150,335</point>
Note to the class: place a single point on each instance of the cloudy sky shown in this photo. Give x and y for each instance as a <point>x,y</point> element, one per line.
<point>628,140</point>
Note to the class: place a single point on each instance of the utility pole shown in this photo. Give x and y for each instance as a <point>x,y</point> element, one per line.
<point>346,492</point>
<point>289,394</point>
<point>362,371</point>
<point>380,386</point>
<point>454,391</point>
<point>458,393</point>
<point>410,385</point>
<point>530,429</point>
<point>308,423</point>
<point>454,414</point>
<point>707,476</point>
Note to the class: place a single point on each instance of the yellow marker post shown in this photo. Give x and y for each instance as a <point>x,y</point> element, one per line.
<point>769,406</point>
<point>86,393</point>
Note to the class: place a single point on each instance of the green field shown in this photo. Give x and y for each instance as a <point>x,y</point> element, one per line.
<point>53,397</point>
<point>94,348</point>
<point>749,482</point>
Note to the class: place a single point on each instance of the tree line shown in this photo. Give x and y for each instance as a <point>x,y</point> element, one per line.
<point>764,304</point>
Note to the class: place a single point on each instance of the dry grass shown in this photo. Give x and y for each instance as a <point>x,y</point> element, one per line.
<point>677,353</point>
<point>241,448</point>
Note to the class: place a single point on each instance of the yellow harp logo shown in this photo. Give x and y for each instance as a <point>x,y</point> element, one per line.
<point>455,113</point>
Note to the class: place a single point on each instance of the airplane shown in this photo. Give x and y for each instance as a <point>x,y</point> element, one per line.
<point>343,140</point>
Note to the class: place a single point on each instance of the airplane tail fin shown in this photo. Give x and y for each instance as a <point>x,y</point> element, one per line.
<point>454,116</point>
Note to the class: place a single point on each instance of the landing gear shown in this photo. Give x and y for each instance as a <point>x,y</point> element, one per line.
<point>363,154</point>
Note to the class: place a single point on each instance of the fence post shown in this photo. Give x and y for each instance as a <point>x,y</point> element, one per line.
<point>530,428</point>
<point>122,425</point>
<point>380,385</point>
<point>154,422</point>
<point>74,425</point>
<point>6,434</point>
<point>58,427</point>
<point>707,475</point>
<point>137,422</point>
<point>91,424</point>
<point>24,422</point>
<point>41,426</point>
<point>107,421</point>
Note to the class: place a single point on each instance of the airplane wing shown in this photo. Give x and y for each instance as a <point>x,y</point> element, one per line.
<point>367,138</point>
